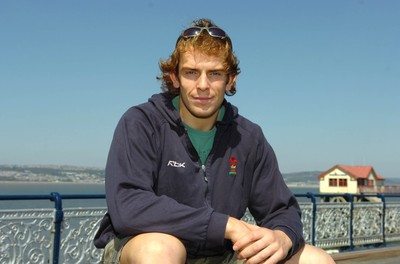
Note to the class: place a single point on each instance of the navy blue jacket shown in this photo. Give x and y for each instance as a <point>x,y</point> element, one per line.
<point>155,181</point>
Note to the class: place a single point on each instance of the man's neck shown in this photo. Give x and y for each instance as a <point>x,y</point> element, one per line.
<point>202,124</point>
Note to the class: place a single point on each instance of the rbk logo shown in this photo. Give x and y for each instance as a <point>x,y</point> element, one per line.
<point>176,164</point>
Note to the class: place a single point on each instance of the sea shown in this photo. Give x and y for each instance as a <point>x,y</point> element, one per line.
<point>38,188</point>
<point>35,188</point>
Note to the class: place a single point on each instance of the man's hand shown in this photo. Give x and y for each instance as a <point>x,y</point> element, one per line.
<point>257,245</point>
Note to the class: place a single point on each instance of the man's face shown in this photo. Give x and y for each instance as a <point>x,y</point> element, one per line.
<point>202,81</point>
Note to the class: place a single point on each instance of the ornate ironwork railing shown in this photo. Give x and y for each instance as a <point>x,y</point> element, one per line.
<point>65,235</point>
<point>393,189</point>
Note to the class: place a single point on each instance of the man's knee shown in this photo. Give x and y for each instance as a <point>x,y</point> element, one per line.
<point>153,248</point>
<point>311,255</point>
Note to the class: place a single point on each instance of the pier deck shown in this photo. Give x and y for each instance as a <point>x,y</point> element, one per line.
<point>387,255</point>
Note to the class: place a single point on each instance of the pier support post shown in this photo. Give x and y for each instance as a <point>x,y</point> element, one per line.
<point>58,218</point>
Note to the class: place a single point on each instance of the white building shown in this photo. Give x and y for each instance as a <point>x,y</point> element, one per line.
<point>351,179</point>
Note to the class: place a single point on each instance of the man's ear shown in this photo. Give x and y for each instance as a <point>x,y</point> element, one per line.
<point>175,80</point>
<point>230,83</point>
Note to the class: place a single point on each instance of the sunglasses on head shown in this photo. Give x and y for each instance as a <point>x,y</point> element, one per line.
<point>212,31</point>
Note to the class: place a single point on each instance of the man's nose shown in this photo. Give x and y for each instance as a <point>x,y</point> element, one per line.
<point>203,82</point>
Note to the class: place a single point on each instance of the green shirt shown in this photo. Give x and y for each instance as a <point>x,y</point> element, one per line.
<point>202,140</point>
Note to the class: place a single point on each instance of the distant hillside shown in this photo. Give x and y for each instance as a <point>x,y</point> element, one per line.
<point>305,178</point>
<point>392,181</point>
<point>50,173</point>
<point>55,173</point>
<point>311,178</point>
<point>61,173</point>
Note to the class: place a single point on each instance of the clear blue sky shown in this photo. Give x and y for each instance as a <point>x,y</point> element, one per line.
<point>322,78</point>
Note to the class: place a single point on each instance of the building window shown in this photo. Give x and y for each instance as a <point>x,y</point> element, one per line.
<point>332,182</point>
<point>361,182</point>
<point>343,182</point>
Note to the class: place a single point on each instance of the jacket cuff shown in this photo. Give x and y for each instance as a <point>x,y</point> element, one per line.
<point>297,242</point>
<point>216,230</point>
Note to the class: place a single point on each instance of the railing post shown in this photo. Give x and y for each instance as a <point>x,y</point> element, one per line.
<point>350,199</point>
<point>58,218</point>
<point>314,213</point>
<point>382,196</point>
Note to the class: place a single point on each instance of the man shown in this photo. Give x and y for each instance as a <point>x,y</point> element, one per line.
<point>184,167</point>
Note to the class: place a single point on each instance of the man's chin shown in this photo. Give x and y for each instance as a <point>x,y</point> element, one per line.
<point>203,115</point>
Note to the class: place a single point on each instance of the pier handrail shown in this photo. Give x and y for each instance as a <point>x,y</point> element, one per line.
<point>314,212</point>
<point>59,213</point>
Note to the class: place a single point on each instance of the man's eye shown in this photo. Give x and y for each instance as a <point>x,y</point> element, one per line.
<point>190,72</point>
<point>217,73</point>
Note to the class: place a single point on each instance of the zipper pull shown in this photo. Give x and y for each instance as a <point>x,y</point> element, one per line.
<point>203,167</point>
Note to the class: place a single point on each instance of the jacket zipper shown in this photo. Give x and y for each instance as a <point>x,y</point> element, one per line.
<point>203,168</point>
<point>207,190</point>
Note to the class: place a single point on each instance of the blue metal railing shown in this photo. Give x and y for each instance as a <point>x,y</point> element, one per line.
<point>59,216</point>
<point>57,198</point>
<point>350,198</point>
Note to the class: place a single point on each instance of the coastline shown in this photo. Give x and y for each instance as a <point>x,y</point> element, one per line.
<point>49,182</point>
<point>291,185</point>
<point>302,186</point>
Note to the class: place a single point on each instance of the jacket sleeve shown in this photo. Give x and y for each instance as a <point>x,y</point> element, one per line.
<point>271,202</point>
<point>133,205</point>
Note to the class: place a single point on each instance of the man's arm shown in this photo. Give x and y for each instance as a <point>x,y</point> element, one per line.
<point>257,244</point>
<point>272,204</point>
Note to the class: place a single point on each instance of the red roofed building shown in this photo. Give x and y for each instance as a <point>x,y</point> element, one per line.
<point>351,179</point>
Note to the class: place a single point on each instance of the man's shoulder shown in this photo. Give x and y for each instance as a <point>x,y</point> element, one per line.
<point>148,107</point>
<point>139,110</point>
<point>247,125</point>
<point>158,109</point>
